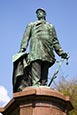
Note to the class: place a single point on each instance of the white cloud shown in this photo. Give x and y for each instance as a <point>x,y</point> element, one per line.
<point>4,98</point>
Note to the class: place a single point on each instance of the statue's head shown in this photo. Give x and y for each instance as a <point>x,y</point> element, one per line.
<point>41,13</point>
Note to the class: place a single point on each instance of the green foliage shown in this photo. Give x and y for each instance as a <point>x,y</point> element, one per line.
<point>69,88</point>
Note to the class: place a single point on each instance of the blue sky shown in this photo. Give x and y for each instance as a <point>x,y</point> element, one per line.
<point>16,14</point>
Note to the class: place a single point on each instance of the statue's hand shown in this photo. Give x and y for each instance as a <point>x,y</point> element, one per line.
<point>22,50</point>
<point>64,55</point>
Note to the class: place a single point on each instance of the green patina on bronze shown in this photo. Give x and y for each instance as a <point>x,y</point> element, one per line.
<point>43,43</point>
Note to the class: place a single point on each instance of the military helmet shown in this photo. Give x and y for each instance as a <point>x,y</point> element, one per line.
<point>40,9</point>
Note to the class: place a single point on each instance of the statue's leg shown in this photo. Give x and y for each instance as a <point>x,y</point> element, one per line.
<point>36,72</point>
<point>44,73</point>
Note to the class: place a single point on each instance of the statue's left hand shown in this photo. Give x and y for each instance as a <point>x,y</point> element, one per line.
<point>64,55</point>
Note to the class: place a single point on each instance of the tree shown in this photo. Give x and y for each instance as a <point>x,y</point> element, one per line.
<point>68,88</point>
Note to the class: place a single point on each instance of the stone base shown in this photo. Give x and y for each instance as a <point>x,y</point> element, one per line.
<point>38,101</point>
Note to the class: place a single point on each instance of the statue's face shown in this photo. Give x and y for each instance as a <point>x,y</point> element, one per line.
<point>41,14</point>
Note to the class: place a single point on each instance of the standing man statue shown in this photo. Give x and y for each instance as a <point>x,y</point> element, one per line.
<point>43,42</point>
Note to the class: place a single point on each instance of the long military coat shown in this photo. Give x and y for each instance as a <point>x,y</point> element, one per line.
<point>43,41</point>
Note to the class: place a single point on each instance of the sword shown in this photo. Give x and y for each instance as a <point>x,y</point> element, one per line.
<point>57,70</point>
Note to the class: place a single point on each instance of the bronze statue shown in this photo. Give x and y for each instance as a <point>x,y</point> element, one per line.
<point>43,43</point>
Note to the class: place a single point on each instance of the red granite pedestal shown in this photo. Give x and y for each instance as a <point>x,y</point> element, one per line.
<point>38,101</point>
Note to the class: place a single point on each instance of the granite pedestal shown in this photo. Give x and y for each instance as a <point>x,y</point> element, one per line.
<point>38,101</point>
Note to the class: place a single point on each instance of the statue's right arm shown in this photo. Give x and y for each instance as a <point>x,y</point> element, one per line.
<point>26,37</point>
